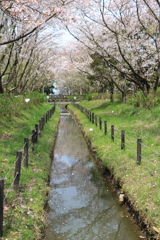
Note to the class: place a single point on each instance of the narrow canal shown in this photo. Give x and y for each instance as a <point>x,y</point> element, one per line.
<point>81,204</point>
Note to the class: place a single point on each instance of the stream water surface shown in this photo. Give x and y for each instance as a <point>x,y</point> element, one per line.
<point>81,204</point>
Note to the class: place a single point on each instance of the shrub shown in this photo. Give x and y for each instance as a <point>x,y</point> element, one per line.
<point>11,105</point>
<point>140,100</point>
<point>89,97</point>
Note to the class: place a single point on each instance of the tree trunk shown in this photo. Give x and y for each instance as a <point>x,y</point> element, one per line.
<point>111,97</point>
<point>111,91</point>
<point>80,91</point>
<point>157,80</point>
<point>124,97</point>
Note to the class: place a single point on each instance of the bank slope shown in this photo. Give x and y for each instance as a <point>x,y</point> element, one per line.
<point>24,214</point>
<point>139,183</point>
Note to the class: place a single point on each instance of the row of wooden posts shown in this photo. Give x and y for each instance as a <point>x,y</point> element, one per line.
<point>36,132</point>
<point>98,121</point>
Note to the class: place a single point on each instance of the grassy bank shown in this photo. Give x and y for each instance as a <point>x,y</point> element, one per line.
<point>24,215</point>
<point>140,183</point>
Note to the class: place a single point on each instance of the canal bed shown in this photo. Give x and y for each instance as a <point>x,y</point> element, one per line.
<point>82,205</point>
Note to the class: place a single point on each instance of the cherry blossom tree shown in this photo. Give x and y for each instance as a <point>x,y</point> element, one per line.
<point>123,34</point>
<point>71,64</point>
<point>28,16</point>
<point>22,23</point>
<point>126,31</point>
<point>28,66</point>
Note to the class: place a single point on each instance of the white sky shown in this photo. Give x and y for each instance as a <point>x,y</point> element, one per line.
<point>65,38</point>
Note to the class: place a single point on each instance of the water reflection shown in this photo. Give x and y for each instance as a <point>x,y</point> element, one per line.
<point>81,204</point>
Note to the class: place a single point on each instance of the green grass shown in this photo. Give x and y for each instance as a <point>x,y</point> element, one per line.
<point>24,214</point>
<point>141,183</point>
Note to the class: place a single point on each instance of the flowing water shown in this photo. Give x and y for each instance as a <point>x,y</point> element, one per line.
<point>81,204</point>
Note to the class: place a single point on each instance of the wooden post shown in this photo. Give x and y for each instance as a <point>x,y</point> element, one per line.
<point>96,120</point>
<point>26,152</point>
<point>42,123</point>
<point>100,123</point>
<point>40,126</point>
<point>1,205</point>
<point>93,118</point>
<point>105,127</point>
<point>90,115</point>
<point>139,141</point>
<point>33,139</point>
<point>36,132</point>
<point>112,132</point>
<point>85,112</point>
<point>46,117</point>
<point>17,170</point>
<point>122,139</point>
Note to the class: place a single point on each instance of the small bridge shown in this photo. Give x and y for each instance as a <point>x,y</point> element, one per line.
<point>61,99</point>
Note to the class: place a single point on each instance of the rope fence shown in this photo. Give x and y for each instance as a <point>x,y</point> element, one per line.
<point>120,136</point>
<point>21,157</point>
